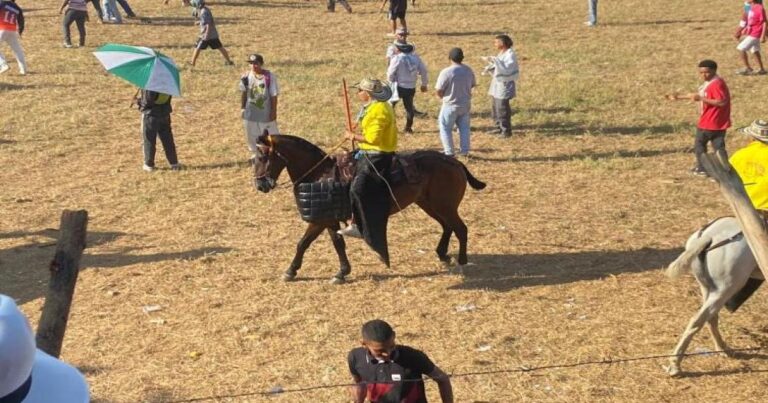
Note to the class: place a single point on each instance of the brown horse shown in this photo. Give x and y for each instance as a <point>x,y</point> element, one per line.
<point>439,193</point>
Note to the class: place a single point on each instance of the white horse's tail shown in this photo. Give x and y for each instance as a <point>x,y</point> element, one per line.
<point>683,263</point>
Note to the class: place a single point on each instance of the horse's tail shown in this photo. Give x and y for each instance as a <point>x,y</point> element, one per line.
<point>474,182</point>
<point>684,262</point>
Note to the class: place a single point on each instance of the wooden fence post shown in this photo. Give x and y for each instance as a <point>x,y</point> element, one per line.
<point>752,223</point>
<point>61,287</point>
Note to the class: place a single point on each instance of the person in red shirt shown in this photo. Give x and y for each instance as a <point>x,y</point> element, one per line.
<point>715,105</point>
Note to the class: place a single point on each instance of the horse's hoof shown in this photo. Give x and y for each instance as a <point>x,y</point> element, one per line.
<point>287,277</point>
<point>673,370</point>
<point>337,280</point>
<point>447,262</point>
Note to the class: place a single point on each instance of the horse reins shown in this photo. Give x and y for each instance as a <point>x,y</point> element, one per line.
<point>271,150</point>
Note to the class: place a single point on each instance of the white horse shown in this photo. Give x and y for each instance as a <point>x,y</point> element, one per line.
<point>727,272</point>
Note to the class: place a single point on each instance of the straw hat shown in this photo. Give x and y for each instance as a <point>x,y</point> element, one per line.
<point>379,90</point>
<point>28,375</point>
<point>758,130</point>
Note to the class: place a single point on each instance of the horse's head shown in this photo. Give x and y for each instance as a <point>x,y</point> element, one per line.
<point>268,164</point>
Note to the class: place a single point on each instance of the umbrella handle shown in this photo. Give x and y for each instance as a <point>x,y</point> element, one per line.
<point>133,100</point>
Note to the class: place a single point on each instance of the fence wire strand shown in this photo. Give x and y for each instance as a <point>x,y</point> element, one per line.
<point>520,369</point>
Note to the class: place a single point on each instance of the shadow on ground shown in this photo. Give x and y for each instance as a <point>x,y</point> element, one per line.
<point>261,4</point>
<point>508,272</point>
<point>24,268</point>
<point>587,155</point>
<point>657,22</point>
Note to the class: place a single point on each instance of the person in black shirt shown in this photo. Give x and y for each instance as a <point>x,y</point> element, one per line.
<point>390,373</point>
<point>156,122</point>
<point>397,10</point>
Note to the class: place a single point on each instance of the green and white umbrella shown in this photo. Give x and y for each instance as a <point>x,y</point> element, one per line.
<point>141,66</point>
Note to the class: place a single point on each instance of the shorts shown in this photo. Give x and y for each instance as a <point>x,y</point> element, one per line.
<point>214,43</point>
<point>393,15</point>
<point>750,44</point>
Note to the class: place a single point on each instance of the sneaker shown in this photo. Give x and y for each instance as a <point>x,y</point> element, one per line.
<point>22,72</point>
<point>148,168</point>
<point>761,72</point>
<point>698,171</point>
<point>229,63</point>
<point>590,23</point>
<point>176,167</point>
<point>67,45</point>
<point>350,231</point>
<point>4,67</point>
<point>745,72</point>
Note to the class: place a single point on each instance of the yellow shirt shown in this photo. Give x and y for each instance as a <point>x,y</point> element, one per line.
<point>378,127</point>
<point>751,163</point>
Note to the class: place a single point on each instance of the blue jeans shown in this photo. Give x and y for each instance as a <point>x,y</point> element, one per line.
<point>592,14</point>
<point>451,116</point>
<point>110,11</point>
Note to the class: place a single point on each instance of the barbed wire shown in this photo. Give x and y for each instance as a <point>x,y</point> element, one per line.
<point>520,369</point>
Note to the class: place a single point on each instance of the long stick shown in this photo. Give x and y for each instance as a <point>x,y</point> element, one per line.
<point>346,103</point>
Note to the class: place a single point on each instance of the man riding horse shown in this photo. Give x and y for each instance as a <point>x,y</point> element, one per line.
<point>370,192</point>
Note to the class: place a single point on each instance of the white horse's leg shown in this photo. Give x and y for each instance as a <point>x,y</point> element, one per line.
<point>713,323</point>
<point>697,322</point>
<point>715,332</point>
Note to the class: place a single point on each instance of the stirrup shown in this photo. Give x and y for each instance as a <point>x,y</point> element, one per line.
<point>350,231</point>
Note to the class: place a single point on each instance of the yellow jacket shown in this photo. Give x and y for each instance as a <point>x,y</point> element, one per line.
<point>378,127</point>
<point>751,162</point>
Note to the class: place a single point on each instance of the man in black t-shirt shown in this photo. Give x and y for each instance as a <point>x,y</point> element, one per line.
<point>388,373</point>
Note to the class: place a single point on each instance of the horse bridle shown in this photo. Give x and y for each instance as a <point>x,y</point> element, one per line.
<point>271,151</point>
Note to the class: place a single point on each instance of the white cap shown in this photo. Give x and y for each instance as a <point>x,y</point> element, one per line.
<point>52,380</point>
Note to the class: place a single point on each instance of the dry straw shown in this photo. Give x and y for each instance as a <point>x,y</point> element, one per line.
<point>586,201</point>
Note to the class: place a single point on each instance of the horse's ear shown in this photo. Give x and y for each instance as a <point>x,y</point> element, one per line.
<point>263,138</point>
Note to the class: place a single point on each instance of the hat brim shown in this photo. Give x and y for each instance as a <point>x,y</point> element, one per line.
<point>384,95</point>
<point>752,132</point>
<point>56,381</point>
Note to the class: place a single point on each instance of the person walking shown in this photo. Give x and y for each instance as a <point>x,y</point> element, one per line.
<point>11,28</point>
<point>397,10</point>
<point>111,14</point>
<point>344,3</point>
<point>384,371</point>
<point>209,35</point>
<point>505,72</point>
<point>591,13</point>
<point>258,102</point>
<point>404,69</point>
<point>156,122</point>
<point>715,106</point>
<point>752,35</point>
<point>77,13</point>
<point>454,85</point>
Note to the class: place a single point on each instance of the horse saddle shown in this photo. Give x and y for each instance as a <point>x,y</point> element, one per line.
<point>404,168</point>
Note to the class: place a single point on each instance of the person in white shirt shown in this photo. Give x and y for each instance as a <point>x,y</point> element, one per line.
<point>405,67</point>
<point>258,102</point>
<point>506,72</point>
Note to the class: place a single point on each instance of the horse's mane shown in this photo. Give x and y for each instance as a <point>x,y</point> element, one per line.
<point>302,143</point>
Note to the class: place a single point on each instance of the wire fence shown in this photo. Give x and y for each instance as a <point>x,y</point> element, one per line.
<point>520,369</point>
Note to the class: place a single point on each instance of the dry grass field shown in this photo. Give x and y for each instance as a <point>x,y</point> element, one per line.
<point>588,200</point>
